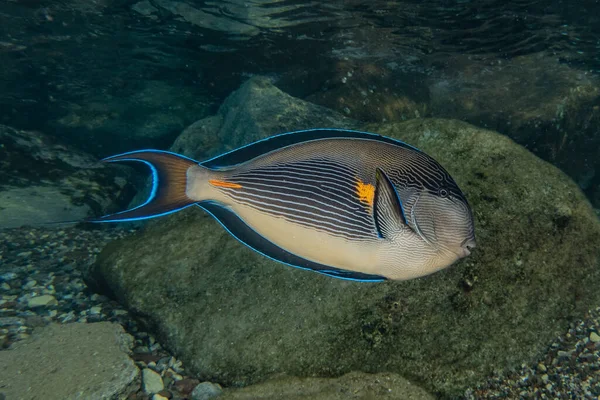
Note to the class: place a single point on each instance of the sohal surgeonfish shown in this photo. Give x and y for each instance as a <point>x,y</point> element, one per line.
<point>349,204</point>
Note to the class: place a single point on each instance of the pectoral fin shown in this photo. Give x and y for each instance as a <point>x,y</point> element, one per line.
<point>387,211</point>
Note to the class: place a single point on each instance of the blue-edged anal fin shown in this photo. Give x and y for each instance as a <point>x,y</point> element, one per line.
<point>387,207</point>
<point>169,182</point>
<point>248,236</point>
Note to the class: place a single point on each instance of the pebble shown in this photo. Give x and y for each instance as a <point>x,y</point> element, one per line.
<point>30,284</point>
<point>95,310</point>
<point>9,276</point>
<point>42,301</point>
<point>159,397</point>
<point>594,337</point>
<point>151,381</point>
<point>10,321</point>
<point>206,391</point>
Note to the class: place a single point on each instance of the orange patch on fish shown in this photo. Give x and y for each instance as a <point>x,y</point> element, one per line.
<point>224,184</point>
<point>365,192</point>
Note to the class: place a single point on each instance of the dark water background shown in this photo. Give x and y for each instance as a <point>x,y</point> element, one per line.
<point>81,70</point>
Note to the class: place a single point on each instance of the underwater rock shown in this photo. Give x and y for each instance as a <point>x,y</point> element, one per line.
<point>237,318</point>
<point>148,116</point>
<point>354,385</point>
<point>367,90</point>
<point>84,361</point>
<point>255,111</point>
<point>556,113</point>
<point>44,181</point>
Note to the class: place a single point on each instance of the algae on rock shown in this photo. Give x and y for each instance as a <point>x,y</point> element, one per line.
<point>237,318</point>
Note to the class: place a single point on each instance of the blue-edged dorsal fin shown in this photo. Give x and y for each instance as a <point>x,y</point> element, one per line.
<point>279,141</point>
<point>169,181</point>
<point>248,236</point>
<point>387,207</point>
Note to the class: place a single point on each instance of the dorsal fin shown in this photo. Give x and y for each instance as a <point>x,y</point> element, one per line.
<point>275,142</point>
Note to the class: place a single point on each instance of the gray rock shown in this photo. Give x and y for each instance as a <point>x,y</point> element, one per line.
<point>538,241</point>
<point>83,361</point>
<point>47,181</point>
<point>151,381</point>
<point>206,391</point>
<point>355,385</point>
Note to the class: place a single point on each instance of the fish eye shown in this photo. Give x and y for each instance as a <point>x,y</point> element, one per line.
<point>443,193</point>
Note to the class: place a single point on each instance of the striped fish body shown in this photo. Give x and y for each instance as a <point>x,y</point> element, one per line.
<point>344,205</point>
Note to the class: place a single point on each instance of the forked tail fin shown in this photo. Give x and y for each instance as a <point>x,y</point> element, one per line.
<point>169,181</point>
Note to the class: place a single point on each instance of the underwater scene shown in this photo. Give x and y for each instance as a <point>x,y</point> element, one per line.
<point>294,199</point>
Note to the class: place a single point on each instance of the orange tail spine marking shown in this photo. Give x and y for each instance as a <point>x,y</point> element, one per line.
<point>224,184</point>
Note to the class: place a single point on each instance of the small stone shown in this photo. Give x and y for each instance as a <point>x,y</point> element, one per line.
<point>151,382</point>
<point>96,310</point>
<point>29,284</point>
<point>166,394</point>
<point>41,301</point>
<point>541,367</point>
<point>206,391</point>
<point>5,286</point>
<point>159,397</point>
<point>9,276</point>
<point>594,337</point>
<point>11,321</point>
<point>545,378</point>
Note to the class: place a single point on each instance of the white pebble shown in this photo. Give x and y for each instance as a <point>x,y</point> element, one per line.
<point>151,382</point>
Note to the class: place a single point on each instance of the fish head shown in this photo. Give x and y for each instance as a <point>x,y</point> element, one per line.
<point>442,217</point>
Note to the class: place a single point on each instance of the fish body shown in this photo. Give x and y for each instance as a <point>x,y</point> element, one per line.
<point>352,205</point>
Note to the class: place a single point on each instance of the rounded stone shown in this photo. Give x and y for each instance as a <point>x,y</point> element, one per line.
<point>151,381</point>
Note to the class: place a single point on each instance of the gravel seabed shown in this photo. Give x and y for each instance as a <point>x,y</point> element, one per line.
<point>41,282</point>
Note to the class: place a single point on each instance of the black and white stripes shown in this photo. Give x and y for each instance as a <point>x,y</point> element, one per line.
<point>315,193</point>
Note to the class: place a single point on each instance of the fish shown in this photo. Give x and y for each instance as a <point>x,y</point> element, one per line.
<point>348,204</point>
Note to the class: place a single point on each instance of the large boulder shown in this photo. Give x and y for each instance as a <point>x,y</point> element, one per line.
<point>238,318</point>
<point>43,180</point>
<point>71,361</point>
<point>556,113</point>
<point>355,385</point>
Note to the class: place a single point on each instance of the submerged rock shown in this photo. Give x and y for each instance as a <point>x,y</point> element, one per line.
<point>42,180</point>
<point>150,116</point>
<point>237,318</point>
<point>71,361</point>
<point>255,111</point>
<point>547,106</point>
<point>355,385</point>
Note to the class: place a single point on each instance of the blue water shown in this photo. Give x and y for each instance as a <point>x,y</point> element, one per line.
<point>82,80</point>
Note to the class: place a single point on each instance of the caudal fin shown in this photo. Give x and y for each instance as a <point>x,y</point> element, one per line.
<point>169,182</point>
